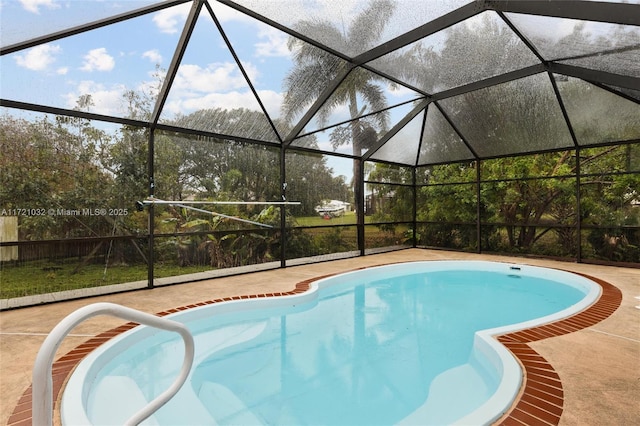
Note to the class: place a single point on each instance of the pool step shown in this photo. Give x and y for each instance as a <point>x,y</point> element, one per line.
<point>463,385</point>
<point>229,409</point>
<point>124,400</point>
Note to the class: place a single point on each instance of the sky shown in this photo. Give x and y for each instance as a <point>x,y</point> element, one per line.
<point>107,62</point>
<point>124,56</point>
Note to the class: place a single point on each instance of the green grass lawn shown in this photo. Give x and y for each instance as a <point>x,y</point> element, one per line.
<point>48,276</point>
<point>349,218</point>
<point>39,277</point>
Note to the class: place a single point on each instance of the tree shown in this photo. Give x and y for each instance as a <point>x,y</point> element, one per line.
<point>389,202</point>
<point>610,202</point>
<point>315,68</point>
<point>449,202</point>
<point>310,181</point>
<point>127,160</point>
<point>127,156</point>
<point>46,165</point>
<point>506,118</point>
<point>226,169</point>
<point>535,195</point>
<point>524,195</point>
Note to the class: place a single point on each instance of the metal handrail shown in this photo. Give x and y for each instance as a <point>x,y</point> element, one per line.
<point>42,393</point>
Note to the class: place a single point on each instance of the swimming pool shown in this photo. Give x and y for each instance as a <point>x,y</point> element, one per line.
<point>399,344</point>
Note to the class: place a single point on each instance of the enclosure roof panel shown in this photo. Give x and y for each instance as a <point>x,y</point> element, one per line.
<point>423,82</point>
<point>352,26</point>
<point>480,47</point>
<point>23,21</point>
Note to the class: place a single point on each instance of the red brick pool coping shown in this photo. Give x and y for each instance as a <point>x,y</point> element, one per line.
<point>541,397</point>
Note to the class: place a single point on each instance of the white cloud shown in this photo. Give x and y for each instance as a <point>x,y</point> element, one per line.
<point>153,56</point>
<point>230,100</point>
<point>400,91</point>
<point>98,60</point>
<point>225,13</point>
<point>216,85</point>
<point>252,72</point>
<point>62,71</point>
<point>215,77</point>
<point>106,100</point>
<point>39,57</point>
<point>167,19</point>
<point>33,6</point>
<point>272,102</point>
<point>275,43</point>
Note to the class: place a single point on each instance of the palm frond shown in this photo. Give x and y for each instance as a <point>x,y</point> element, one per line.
<point>315,68</point>
<point>324,32</point>
<point>364,31</point>
<point>303,85</point>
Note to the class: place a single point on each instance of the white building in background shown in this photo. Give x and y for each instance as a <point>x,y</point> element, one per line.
<point>332,208</point>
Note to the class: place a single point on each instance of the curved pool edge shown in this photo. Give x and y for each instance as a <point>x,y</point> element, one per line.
<point>489,347</point>
<point>541,396</point>
<point>515,342</point>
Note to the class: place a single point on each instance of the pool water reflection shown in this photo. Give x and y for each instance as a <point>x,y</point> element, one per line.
<point>381,346</point>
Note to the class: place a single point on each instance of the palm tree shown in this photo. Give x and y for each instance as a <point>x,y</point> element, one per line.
<point>315,68</point>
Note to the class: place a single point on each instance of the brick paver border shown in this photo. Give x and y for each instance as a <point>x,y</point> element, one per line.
<point>540,402</point>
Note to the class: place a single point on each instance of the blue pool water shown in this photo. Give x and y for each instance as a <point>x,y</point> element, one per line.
<point>400,344</point>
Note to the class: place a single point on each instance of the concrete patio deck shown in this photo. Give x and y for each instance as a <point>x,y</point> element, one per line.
<point>599,367</point>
